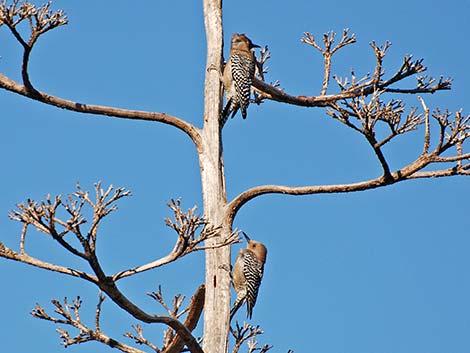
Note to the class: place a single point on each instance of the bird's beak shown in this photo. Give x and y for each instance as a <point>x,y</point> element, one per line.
<point>255,45</point>
<point>246,236</point>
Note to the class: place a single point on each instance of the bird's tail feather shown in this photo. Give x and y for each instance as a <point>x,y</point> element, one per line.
<point>236,306</point>
<point>225,113</point>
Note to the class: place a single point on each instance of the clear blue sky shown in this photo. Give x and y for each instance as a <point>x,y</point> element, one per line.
<point>372,272</point>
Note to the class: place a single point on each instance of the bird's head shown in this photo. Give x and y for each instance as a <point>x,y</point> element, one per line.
<point>256,247</point>
<point>242,42</point>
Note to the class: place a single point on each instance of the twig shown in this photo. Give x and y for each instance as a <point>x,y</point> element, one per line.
<point>8,253</point>
<point>327,51</point>
<point>23,238</point>
<point>458,131</point>
<point>42,216</point>
<point>140,339</point>
<point>356,88</point>
<point>192,229</point>
<point>427,132</point>
<point>41,20</point>
<point>247,333</point>
<point>194,312</point>
<point>69,314</point>
<point>261,70</point>
<point>380,52</point>
<point>98,311</point>
<point>177,302</point>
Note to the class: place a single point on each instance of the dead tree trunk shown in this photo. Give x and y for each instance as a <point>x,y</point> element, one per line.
<point>217,303</point>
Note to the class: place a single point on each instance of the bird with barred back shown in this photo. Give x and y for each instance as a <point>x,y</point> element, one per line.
<point>238,75</point>
<point>247,275</point>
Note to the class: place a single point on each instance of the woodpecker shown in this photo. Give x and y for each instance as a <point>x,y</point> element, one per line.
<point>238,75</point>
<point>247,275</point>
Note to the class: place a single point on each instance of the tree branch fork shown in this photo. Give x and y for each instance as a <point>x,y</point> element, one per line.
<point>46,217</point>
<point>359,104</point>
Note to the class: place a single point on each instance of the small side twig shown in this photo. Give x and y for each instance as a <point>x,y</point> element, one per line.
<point>261,70</point>
<point>140,339</point>
<point>194,310</point>
<point>41,20</point>
<point>192,230</point>
<point>247,333</point>
<point>380,52</point>
<point>427,131</point>
<point>69,314</point>
<point>328,50</point>
<point>98,311</point>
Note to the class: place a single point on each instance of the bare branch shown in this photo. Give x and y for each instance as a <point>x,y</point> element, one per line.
<point>355,88</point>
<point>327,51</point>
<point>234,206</point>
<point>261,70</point>
<point>460,154</point>
<point>242,334</point>
<point>140,339</point>
<point>266,348</point>
<point>427,133</point>
<point>23,238</point>
<point>43,216</point>
<point>192,229</point>
<point>103,206</point>
<point>194,312</point>
<point>380,52</point>
<point>109,287</point>
<point>41,20</point>
<point>8,253</point>
<point>366,115</point>
<point>69,314</point>
<point>409,172</point>
<point>453,133</point>
<point>400,126</point>
<point>158,296</point>
<point>186,225</point>
<point>459,158</point>
<point>184,126</point>
<point>425,85</point>
<point>173,343</point>
<point>442,173</point>
<point>247,333</point>
<point>98,312</point>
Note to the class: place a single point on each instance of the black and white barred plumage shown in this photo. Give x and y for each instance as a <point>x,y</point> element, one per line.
<point>238,76</point>
<point>238,97</point>
<point>247,275</point>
